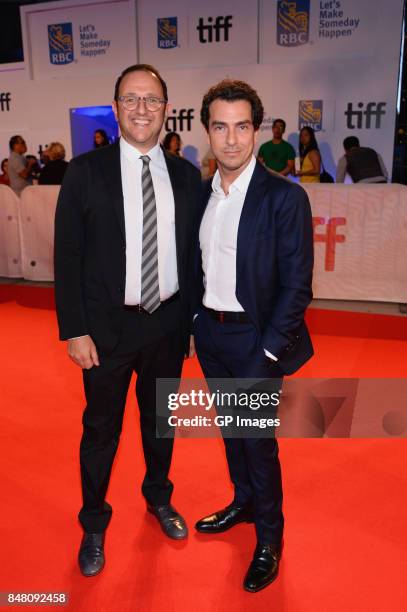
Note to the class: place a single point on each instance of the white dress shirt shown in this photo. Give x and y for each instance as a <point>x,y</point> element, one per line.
<point>131,167</point>
<point>218,242</point>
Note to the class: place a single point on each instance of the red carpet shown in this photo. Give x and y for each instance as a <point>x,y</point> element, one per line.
<point>345,500</point>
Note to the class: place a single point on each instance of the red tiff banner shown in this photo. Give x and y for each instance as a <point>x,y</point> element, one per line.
<point>329,238</point>
<point>360,241</point>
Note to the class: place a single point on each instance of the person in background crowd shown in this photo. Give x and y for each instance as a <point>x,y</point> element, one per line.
<point>20,169</point>
<point>362,164</point>
<point>208,165</point>
<point>277,154</point>
<point>310,157</point>
<point>44,158</point>
<point>100,139</point>
<point>36,168</point>
<point>4,178</point>
<point>172,143</point>
<point>53,172</point>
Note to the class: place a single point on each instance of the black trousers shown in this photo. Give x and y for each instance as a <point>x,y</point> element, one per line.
<point>152,346</point>
<point>228,350</point>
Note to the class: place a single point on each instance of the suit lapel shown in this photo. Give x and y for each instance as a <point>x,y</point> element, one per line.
<point>113,177</point>
<point>181,204</point>
<point>250,209</point>
<point>114,187</point>
<point>206,194</point>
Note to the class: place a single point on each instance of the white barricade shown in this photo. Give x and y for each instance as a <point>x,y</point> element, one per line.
<point>360,241</point>
<point>10,247</point>
<point>37,213</point>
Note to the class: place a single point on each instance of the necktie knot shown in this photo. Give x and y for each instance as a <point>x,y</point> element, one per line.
<point>145,159</point>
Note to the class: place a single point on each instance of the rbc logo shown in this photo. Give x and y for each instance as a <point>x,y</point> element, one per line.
<point>292,22</point>
<point>310,113</point>
<point>60,42</point>
<point>167,32</point>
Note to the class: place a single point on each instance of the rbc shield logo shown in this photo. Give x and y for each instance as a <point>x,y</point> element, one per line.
<point>310,113</point>
<point>292,22</point>
<point>167,32</point>
<point>60,42</point>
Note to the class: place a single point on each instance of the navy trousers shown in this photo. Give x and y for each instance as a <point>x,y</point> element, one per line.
<point>234,350</point>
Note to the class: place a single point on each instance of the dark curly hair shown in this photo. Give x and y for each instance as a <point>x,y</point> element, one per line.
<point>231,90</point>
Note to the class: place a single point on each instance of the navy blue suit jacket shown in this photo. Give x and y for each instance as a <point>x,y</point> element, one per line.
<point>274,264</point>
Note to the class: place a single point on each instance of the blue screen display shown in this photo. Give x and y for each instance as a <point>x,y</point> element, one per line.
<point>84,122</point>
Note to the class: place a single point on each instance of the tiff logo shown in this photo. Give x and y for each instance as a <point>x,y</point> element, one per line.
<point>221,25</point>
<point>329,238</point>
<point>179,118</point>
<point>5,99</point>
<point>374,110</point>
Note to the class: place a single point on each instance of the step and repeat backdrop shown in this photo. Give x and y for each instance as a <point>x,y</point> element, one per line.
<point>330,64</point>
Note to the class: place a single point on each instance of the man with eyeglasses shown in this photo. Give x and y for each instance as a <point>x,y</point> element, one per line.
<point>122,285</point>
<point>19,167</point>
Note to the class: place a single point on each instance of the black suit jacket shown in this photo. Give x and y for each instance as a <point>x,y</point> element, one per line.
<point>274,263</point>
<point>90,244</point>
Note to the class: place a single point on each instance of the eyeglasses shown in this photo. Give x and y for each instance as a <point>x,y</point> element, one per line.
<point>152,103</point>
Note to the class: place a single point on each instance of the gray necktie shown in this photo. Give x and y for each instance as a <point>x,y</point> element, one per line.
<point>150,290</point>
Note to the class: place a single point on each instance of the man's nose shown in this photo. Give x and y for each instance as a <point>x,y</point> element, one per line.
<point>141,106</point>
<point>231,137</point>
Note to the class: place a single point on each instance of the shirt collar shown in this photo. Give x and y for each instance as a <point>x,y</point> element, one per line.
<point>133,154</point>
<point>240,184</point>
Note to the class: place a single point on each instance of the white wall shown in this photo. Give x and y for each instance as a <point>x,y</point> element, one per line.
<point>360,67</point>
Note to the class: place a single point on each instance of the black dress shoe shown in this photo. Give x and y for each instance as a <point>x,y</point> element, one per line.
<point>172,523</point>
<point>264,567</point>
<point>222,520</point>
<point>91,554</point>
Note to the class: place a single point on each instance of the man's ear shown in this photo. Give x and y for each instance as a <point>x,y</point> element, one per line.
<point>256,135</point>
<point>167,109</point>
<point>208,140</point>
<point>115,110</point>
